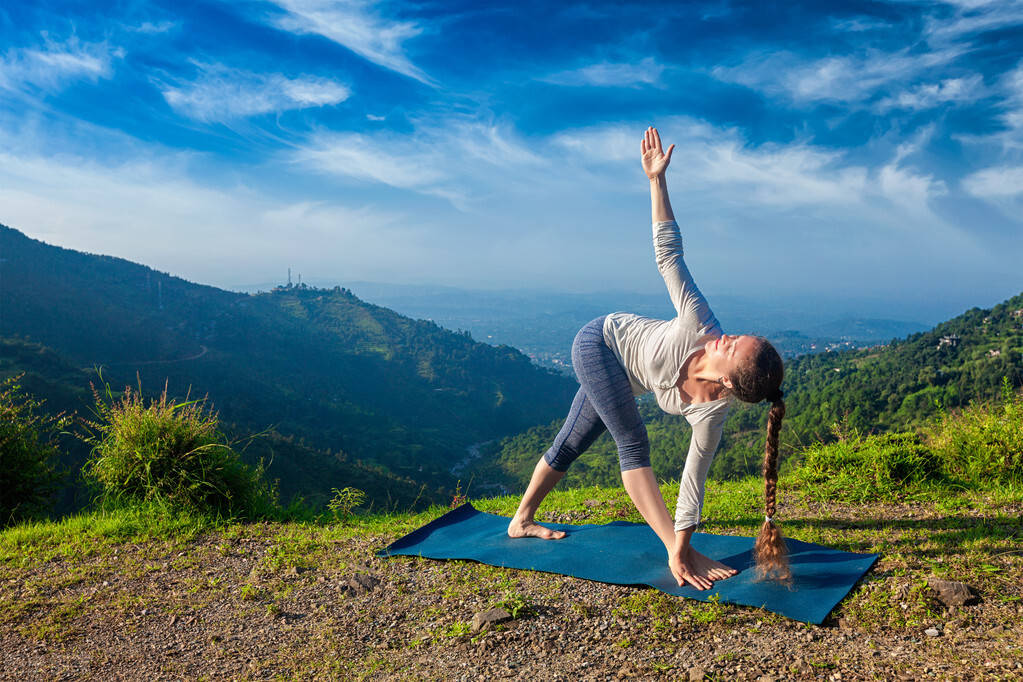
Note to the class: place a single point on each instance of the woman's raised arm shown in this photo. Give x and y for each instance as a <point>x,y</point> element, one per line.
<point>655,161</point>
<point>689,303</point>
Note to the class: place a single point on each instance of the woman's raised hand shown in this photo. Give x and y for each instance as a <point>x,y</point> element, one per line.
<point>655,160</point>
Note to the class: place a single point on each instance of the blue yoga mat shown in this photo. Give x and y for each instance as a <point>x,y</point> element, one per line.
<point>626,553</point>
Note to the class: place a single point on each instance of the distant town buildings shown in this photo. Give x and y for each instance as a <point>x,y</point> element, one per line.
<point>951,340</point>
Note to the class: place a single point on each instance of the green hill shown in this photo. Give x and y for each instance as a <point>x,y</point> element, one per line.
<point>897,386</point>
<point>357,383</point>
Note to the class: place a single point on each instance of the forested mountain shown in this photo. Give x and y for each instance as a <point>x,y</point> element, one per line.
<point>895,386</point>
<point>300,469</point>
<point>337,376</point>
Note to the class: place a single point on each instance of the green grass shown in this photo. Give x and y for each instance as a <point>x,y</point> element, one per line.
<point>171,453</point>
<point>982,444</point>
<point>885,467</point>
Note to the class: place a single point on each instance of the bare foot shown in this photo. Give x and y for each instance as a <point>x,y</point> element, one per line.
<point>531,529</point>
<point>705,566</point>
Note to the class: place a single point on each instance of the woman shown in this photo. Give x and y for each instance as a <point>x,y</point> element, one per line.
<point>692,368</point>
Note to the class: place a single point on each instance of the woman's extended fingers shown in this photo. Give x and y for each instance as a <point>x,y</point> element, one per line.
<point>699,581</point>
<point>657,139</point>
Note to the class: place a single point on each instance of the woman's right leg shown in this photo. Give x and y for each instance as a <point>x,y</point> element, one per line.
<point>581,428</point>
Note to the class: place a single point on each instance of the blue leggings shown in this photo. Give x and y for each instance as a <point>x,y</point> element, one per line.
<point>604,402</point>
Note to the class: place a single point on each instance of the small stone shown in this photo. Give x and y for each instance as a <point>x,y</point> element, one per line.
<point>996,630</point>
<point>696,674</point>
<point>950,592</point>
<point>486,619</point>
<point>932,632</point>
<point>591,503</point>
<point>361,583</point>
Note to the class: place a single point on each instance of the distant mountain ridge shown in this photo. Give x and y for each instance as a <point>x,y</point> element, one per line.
<point>335,373</point>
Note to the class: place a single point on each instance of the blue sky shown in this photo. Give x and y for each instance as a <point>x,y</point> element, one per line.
<point>856,150</point>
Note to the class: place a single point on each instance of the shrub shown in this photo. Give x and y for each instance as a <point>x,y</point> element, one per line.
<point>344,502</point>
<point>28,476</point>
<point>983,444</point>
<point>874,468</point>
<point>172,454</point>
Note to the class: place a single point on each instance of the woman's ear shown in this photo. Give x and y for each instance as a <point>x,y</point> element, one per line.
<point>726,382</point>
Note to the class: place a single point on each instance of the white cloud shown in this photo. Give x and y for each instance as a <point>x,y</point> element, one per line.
<point>859,24</point>
<point>911,190</point>
<point>997,182</point>
<point>717,160</point>
<point>610,74</point>
<point>356,25</point>
<point>52,68</point>
<point>893,75</point>
<point>929,95</point>
<point>847,79</point>
<point>152,28</point>
<point>1012,87</point>
<point>394,162</point>
<point>221,93</point>
<point>150,211</point>
<point>447,159</point>
<point>971,18</point>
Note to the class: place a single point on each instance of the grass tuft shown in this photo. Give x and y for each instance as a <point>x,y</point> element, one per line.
<point>172,455</point>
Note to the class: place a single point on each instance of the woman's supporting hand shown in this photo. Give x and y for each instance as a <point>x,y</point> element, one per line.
<point>684,573</point>
<point>699,570</point>
<point>655,160</point>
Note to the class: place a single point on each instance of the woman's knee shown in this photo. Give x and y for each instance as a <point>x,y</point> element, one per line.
<point>635,453</point>
<point>560,458</point>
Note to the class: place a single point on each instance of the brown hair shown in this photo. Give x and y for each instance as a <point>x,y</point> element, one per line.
<point>760,379</point>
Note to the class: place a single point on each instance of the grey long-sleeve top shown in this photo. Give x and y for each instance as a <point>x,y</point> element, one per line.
<point>653,353</point>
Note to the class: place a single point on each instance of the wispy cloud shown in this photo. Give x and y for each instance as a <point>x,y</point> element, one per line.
<point>51,68</point>
<point>996,183</point>
<point>1012,87</point>
<point>929,95</point>
<point>357,25</point>
<point>162,214</point>
<point>719,160</point>
<point>451,159</point>
<point>847,78</point>
<point>910,189</point>
<point>971,18</point>
<point>611,74</point>
<point>221,93</point>
<point>909,78</point>
<point>153,28</point>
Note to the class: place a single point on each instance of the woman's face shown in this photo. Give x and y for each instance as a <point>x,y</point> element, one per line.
<point>731,352</point>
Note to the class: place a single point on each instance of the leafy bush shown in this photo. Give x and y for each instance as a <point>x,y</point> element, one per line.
<point>28,476</point>
<point>983,444</point>
<point>172,454</point>
<point>857,469</point>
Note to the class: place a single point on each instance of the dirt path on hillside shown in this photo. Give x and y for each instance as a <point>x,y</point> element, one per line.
<point>203,350</point>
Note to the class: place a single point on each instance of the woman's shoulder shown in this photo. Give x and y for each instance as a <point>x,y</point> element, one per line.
<point>712,412</point>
